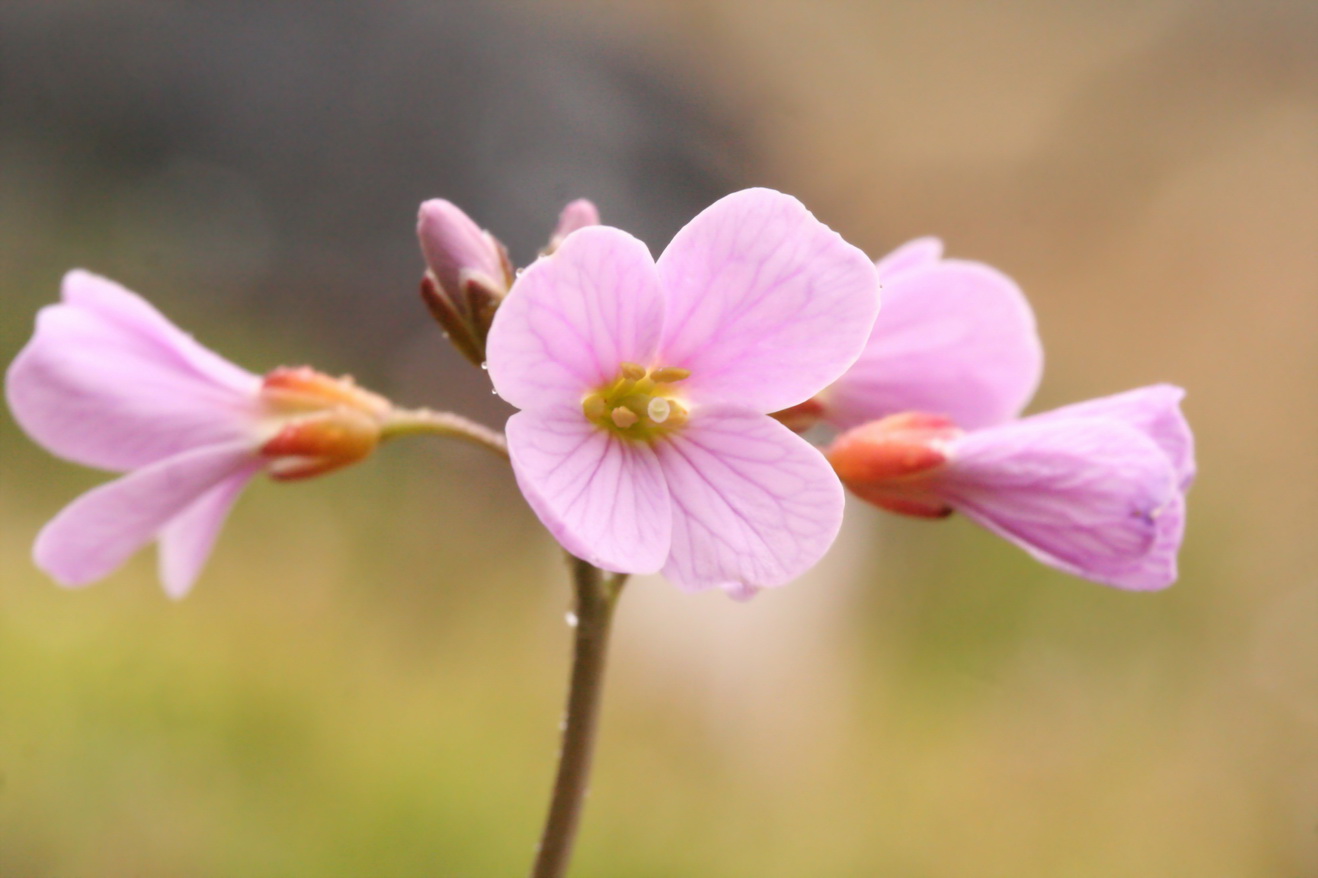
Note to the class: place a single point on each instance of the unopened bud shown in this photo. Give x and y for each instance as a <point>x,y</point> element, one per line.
<point>892,462</point>
<point>577,215</point>
<point>468,274</point>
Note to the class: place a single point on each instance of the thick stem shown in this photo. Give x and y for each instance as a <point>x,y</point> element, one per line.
<point>597,594</point>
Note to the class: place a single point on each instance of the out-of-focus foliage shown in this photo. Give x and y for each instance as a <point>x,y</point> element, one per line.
<point>367,679</point>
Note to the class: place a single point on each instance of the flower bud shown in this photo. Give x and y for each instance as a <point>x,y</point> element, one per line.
<point>577,215</point>
<point>323,423</point>
<point>891,462</point>
<point>468,274</point>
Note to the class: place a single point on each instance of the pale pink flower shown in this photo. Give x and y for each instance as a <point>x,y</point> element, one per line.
<point>108,382</point>
<point>1096,489</point>
<point>957,338</point>
<point>643,442</point>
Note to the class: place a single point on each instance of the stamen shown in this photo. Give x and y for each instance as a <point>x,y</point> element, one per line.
<point>658,409</point>
<point>633,371</point>
<point>670,375</point>
<point>594,406</point>
<point>624,418</point>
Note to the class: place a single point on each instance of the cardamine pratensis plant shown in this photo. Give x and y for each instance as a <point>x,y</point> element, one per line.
<point>661,410</point>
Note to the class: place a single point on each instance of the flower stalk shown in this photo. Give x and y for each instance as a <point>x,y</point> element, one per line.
<point>596,596</point>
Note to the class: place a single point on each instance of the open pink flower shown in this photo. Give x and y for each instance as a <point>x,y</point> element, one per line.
<point>1096,489</point>
<point>108,382</point>
<point>642,442</point>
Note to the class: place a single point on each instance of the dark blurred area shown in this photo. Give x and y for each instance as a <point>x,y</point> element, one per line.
<point>270,156</point>
<point>366,680</point>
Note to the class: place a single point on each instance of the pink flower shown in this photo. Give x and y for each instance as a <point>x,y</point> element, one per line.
<point>108,382</point>
<point>643,442</point>
<point>956,338</point>
<point>1096,489</point>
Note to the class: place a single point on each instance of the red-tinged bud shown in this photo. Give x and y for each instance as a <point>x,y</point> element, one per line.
<point>801,417</point>
<point>891,463</point>
<point>323,423</point>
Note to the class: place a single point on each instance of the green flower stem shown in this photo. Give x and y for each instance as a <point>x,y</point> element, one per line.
<point>410,422</point>
<point>597,595</point>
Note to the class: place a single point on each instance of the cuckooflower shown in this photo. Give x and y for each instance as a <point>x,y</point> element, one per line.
<point>1096,489</point>
<point>108,382</point>
<point>643,442</point>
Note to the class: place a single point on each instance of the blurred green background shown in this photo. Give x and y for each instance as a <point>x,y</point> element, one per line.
<point>368,678</point>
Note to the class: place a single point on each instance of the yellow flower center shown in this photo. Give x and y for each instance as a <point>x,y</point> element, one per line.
<point>639,403</point>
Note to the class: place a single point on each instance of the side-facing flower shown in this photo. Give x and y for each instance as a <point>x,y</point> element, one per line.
<point>1096,489</point>
<point>109,382</point>
<point>643,442</point>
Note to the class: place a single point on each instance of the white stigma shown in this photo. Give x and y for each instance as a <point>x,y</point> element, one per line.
<point>658,409</point>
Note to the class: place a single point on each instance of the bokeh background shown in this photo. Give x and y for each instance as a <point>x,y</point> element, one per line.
<point>367,680</point>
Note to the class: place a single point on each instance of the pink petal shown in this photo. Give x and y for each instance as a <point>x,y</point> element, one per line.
<point>187,540</point>
<point>1096,498</point>
<point>117,304</point>
<point>766,305</point>
<point>108,382</point>
<point>573,317</point>
<point>955,339</point>
<point>754,505</point>
<point>913,254</point>
<point>100,530</point>
<point>602,497</point>
<point>1154,411</point>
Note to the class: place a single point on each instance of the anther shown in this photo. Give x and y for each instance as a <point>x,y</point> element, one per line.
<point>633,371</point>
<point>594,407</point>
<point>624,418</point>
<point>670,375</point>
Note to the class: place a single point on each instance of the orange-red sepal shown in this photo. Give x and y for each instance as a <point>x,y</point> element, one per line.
<point>320,443</point>
<point>891,462</point>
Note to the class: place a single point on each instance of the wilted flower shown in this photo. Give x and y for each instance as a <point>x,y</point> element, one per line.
<point>1096,489</point>
<point>643,442</point>
<point>109,382</point>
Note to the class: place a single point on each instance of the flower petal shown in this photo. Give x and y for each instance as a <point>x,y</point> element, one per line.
<point>186,541</point>
<point>100,530</point>
<point>754,505</point>
<point>766,305</point>
<point>1155,411</point>
<point>914,254</point>
<point>107,381</point>
<point>602,497</point>
<point>573,317</point>
<point>955,338</point>
<point>1094,497</point>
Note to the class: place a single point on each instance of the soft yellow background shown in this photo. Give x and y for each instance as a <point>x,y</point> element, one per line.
<point>367,679</point>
